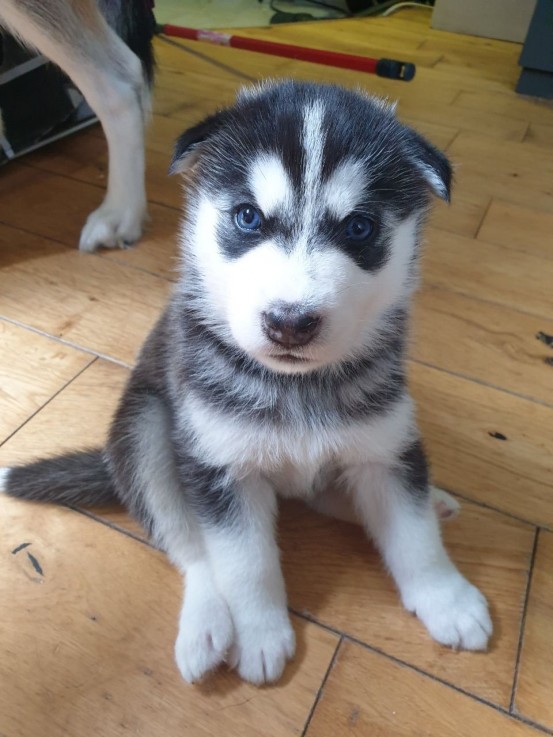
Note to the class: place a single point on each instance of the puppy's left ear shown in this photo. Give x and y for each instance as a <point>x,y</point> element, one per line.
<point>432,164</point>
<point>189,145</point>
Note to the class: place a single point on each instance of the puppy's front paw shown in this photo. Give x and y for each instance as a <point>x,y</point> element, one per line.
<point>205,637</point>
<point>453,610</point>
<point>262,647</point>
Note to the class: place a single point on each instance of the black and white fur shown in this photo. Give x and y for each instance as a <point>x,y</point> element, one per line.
<point>105,47</point>
<point>220,416</point>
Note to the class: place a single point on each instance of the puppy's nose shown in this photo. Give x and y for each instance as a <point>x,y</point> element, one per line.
<point>290,326</point>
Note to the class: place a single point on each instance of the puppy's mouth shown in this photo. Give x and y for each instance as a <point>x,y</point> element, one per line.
<point>290,358</point>
<point>292,361</point>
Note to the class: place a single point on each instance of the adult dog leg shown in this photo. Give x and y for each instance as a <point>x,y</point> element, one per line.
<point>76,36</point>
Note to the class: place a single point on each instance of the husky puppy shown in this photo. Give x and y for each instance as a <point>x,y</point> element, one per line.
<point>105,47</point>
<point>278,368</point>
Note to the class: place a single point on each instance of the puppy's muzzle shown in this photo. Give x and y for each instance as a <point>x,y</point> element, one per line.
<point>289,326</point>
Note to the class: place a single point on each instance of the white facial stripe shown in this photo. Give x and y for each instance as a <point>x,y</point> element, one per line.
<point>344,190</point>
<point>271,184</point>
<point>313,143</point>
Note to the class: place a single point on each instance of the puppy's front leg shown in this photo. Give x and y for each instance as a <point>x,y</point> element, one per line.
<point>240,541</point>
<point>396,507</point>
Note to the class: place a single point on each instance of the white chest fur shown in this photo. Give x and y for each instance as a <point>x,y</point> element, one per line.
<point>293,457</point>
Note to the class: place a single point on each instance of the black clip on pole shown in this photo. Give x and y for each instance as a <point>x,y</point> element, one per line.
<point>393,69</point>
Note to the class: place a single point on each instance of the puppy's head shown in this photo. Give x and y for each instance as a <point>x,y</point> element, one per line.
<point>304,209</point>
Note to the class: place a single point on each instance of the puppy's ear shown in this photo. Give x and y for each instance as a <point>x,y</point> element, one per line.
<point>188,145</point>
<point>432,164</point>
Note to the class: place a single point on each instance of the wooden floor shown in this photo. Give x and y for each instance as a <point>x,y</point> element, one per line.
<point>88,610</point>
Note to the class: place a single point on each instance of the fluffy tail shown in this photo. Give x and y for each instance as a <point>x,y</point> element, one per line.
<point>134,22</point>
<point>77,479</point>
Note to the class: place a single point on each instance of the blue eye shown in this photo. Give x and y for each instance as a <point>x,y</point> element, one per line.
<point>359,228</point>
<point>247,218</point>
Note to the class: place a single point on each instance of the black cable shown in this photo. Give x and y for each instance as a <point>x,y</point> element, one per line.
<point>377,7</point>
<point>337,9</point>
<point>380,7</point>
<point>346,13</point>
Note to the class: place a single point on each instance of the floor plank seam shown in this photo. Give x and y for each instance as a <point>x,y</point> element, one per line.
<point>525,139</point>
<point>112,526</point>
<point>545,256</point>
<point>491,508</point>
<point>398,661</point>
<point>107,256</point>
<point>46,170</point>
<point>450,144</point>
<point>523,621</point>
<point>529,723</point>
<point>207,59</point>
<point>321,688</point>
<point>38,235</point>
<point>456,97</point>
<point>481,382</point>
<point>526,131</point>
<point>89,183</point>
<point>481,700</point>
<point>429,282</point>
<point>47,402</point>
<point>434,64</point>
<point>64,342</point>
<point>519,118</point>
<point>71,249</point>
<point>481,223</point>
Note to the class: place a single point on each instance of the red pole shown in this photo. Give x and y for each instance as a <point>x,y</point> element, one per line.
<point>383,67</point>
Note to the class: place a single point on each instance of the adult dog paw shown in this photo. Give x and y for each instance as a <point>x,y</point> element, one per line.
<point>112,227</point>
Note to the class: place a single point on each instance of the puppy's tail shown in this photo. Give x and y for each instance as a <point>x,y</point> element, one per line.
<point>77,479</point>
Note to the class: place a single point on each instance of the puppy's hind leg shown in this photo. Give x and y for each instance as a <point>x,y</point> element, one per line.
<point>76,36</point>
<point>337,503</point>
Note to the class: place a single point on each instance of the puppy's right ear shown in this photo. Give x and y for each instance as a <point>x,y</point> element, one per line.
<point>434,165</point>
<point>189,145</point>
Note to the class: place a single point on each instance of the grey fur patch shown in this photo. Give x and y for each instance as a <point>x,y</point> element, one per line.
<point>413,469</point>
<point>79,478</point>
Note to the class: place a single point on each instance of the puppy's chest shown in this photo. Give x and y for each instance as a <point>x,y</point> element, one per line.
<point>291,454</point>
<point>297,457</point>
<point>296,464</point>
<point>293,481</point>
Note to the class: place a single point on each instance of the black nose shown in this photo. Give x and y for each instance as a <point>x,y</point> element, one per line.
<point>289,325</point>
